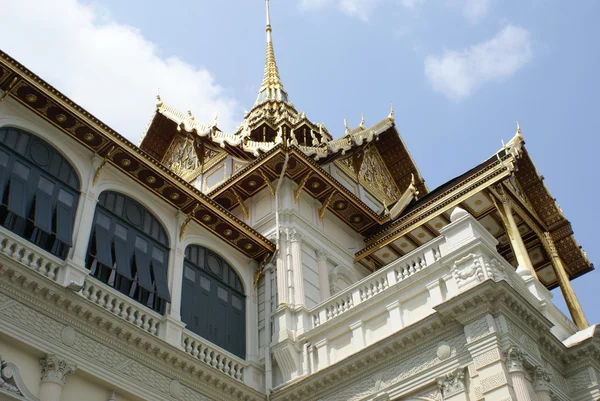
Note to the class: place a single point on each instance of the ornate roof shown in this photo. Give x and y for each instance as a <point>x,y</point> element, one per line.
<point>48,103</point>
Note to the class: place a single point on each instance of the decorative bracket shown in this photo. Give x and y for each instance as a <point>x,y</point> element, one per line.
<point>298,191</point>
<point>241,202</point>
<point>11,86</point>
<point>98,171</point>
<point>187,221</point>
<point>325,205</point>
<point>267,181</point>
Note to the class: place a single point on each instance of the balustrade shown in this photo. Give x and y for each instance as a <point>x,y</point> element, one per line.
<point>29,255</point>
<point>124,307</point>
<point>218,359</point>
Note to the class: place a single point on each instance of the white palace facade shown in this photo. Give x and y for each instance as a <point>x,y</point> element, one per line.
<point>274,263</point>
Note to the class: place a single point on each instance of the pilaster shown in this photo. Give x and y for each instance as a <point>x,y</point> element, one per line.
<point>55,372</point>
<point>541,383</point>
<point>296,265</point>
<point>488,366</point>
<point>515,359</point>
<point>323,273</point>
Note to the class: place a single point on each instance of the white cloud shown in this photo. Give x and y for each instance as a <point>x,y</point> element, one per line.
<point>476,10</point>
<point>108,68</point>
<point>356,8</point>
<point>411,3</point>
<point>457,74</point>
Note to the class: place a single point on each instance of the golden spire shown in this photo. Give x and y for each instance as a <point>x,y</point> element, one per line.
<point>271,88</point>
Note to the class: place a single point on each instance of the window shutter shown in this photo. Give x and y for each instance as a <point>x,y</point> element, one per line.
<point>103,247</point>
<point>17,193</point>
<point>3,176</point>
<point>142,263</point>
<point>64,223</point>
<point>43,211</point>
<point>160,278</point>
<point>123,257</point>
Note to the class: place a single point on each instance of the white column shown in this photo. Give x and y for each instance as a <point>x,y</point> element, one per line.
<point>514,362</point>
<point>541,384</point>
<point>296,243</point>
<point>74,273</point>
<point>282,275</point>
<point>176,258</point>
<point>171,327</point>
<point>323,274</point>
<point>55,372</point>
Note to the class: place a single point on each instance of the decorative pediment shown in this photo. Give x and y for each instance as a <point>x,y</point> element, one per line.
<point>367,167</point>
<point>188,159</point>
<point>11,383</point>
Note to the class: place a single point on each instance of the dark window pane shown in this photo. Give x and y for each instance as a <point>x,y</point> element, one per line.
<point>121,231</point>
<point>17,196</point>
<point>160,279</point>
<point>65,217</point>
<point>189,274</point>
<point>46,186</point>
<point>123,258</point>
<point>65,197</point>
<point>141,244</point>
<point>205,283</point>
<point>142,264</point>
<point>4,157</point>
<point>223,294</point>
<point>158,254</point>
<point>103,221</point>
<point>21,170</point>
<point>103,247</point>
<point>43,211</point>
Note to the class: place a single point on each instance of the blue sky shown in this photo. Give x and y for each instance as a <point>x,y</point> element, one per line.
<point>458,72</point>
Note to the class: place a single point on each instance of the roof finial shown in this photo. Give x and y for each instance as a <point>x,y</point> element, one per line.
<point>159,101</point>
<point>518,128</point>
<point>269,39</point>
<point>271,88</point>
<point>362,120</point>
<point>391,115</point>
<point>346,128</point>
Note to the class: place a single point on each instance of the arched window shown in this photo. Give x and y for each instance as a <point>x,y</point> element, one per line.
<point>212,300</point>
<point>129,250</point>
<point>39,191</point>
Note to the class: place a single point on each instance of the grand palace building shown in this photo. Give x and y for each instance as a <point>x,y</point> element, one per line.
<point>278,262</point>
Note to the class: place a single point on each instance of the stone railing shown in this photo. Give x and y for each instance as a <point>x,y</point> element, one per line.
<point>377,283</point>
<point>120,305</point>
<point>209,354</point>
<point>29,255</point>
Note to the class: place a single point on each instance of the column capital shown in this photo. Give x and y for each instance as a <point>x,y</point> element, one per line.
<point>56,370</point>
<point>452,383</point>
<point>541,379</point>
<point>294,235</point>
<point>514,359</point>
<point>322,254</point>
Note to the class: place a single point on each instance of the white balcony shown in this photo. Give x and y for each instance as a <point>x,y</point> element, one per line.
<point>399,295</point>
